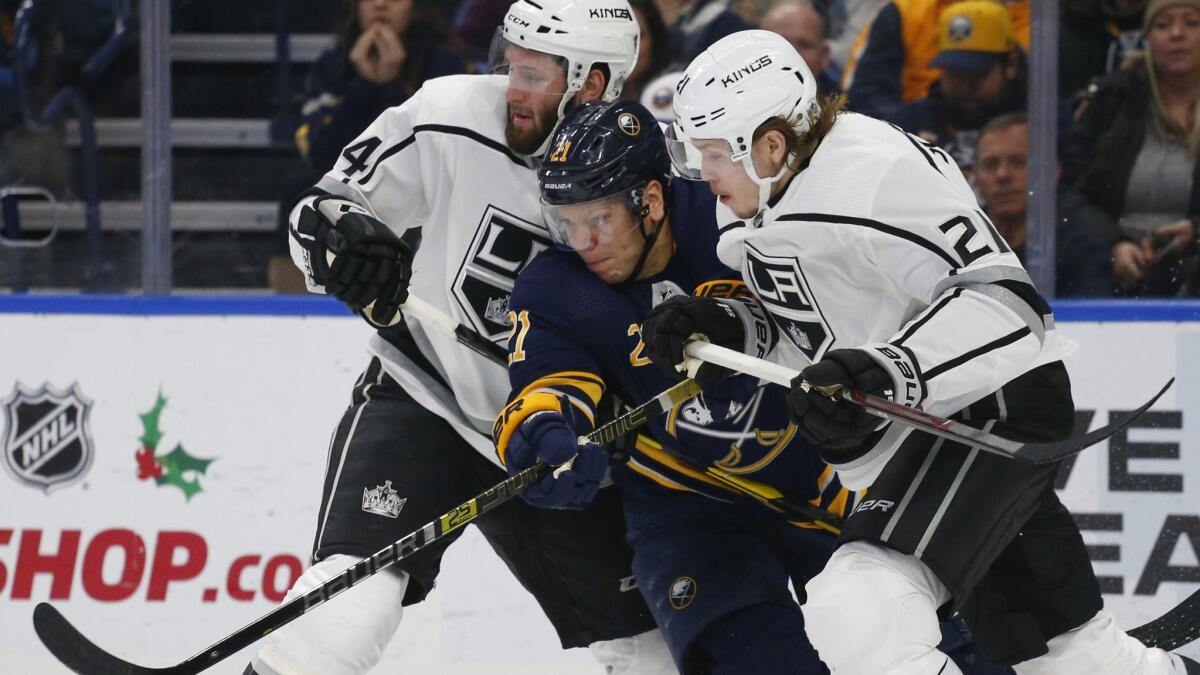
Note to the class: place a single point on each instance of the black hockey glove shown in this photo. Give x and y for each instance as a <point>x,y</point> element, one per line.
<point>670,325</point>
<point>358,259</point>
<point>834,424</point>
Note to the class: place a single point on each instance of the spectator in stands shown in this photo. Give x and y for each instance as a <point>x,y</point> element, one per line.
<point>1094,39</point>
<point>983,74</point>
<point>654,50</point>
<point>385,50</point>
<point>857,14</point>
<point>801,25</point>
<point>1132,156</point>
<point>892,65</point>
<point>1081,268</point>
<point>475,27</point>
<point>693,25</point>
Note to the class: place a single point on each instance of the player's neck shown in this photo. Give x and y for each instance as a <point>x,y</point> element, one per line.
<point>660,252</point>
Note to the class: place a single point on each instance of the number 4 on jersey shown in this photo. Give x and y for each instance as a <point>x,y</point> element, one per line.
<point>357,156</point>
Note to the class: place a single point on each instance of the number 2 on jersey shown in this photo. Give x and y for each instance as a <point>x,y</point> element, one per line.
<point>635,357</point>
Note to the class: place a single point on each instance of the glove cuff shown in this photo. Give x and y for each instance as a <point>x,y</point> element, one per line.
<point>908,383</point>
<point>756,333</point>
<point>517,412</point>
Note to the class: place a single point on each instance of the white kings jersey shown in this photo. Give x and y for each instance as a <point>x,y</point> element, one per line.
<point>439,163</point>
<point>879,243</point>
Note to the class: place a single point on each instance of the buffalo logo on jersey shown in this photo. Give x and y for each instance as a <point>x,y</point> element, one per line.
<point>504,244</point>
<point>683,592</point>
<point>781,285</point>
<point>47,441</point>
<point>629,124</point>
<point>383,500</point>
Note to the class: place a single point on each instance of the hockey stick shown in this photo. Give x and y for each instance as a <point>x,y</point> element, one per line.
<point>432,317</point>
<point>1178,627</point>
<point>1030,453</point>
<point>82,655</point>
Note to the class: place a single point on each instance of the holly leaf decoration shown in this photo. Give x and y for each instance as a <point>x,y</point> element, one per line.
<point>182,470</point>
<point>177,467</point>
<point>151,434</point>
<point>147,466</point>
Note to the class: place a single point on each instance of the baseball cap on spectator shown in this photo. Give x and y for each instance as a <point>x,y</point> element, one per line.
<point>973,35</point>
<point>1156,6</point>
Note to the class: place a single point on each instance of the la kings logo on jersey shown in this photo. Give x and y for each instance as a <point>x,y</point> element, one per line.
<point>504,244</point>
<point>47,441</point>
<point>780,284</point>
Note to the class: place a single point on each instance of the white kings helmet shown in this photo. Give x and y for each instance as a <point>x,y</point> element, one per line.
<point>730,89</point>
<point>583,32</point>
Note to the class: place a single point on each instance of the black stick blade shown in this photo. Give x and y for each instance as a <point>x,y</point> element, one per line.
<point>1172,630</point>
<point>1043,453</point>
<point>80,654</point>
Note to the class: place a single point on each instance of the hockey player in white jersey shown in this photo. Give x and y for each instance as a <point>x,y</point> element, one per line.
<point>881,273</point>
<point>438,197</point>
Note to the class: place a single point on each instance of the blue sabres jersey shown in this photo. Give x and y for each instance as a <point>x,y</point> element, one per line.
<point>577,337</point>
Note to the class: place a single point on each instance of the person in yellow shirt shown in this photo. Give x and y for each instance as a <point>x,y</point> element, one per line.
<point>891,62</point>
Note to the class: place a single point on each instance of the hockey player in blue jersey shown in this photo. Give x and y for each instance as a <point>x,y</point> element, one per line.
<point>713,565</point>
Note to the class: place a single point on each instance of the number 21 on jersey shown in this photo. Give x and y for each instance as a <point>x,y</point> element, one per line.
<point>520,328</point>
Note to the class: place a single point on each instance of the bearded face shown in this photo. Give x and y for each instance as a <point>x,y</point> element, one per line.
<point>537,83</point>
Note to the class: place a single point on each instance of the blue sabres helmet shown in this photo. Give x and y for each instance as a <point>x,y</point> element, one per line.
<point>604,149</point>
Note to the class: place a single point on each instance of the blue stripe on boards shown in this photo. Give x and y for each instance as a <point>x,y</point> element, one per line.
<point>316,305</point>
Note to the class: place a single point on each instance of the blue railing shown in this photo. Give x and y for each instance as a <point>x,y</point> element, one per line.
<point>315,305</point>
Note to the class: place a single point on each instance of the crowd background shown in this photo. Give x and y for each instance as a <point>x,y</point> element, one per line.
<point>265,94</point>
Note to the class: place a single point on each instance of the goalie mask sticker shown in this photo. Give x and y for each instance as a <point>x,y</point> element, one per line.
<point>504,244</point>
<point>47,441</point>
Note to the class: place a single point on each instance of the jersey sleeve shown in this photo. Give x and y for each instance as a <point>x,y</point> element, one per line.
<point>981,321</point>
<point>385,170</point>
<point>548,366</point>
<point>388,167</point>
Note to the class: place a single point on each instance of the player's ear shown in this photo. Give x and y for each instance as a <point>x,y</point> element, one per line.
<point>655,201</point>
<point>593,87</point>
<point>776,147</point>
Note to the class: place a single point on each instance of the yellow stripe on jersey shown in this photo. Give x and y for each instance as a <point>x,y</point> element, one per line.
<point>653,450</point>
<point>589,384</point>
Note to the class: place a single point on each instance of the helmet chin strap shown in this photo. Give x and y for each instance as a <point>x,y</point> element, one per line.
<point>764,184</point>
<point>647,241</point>
<point>562,112</point>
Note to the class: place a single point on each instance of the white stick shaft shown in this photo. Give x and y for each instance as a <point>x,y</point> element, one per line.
<point>742,363</point>
<point>428,315</point>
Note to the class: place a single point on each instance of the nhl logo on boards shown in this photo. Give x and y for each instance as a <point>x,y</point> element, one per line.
<point>47,441</point>
<point>383,500</point>
<point>683,592</point>
<point>629,124</point>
